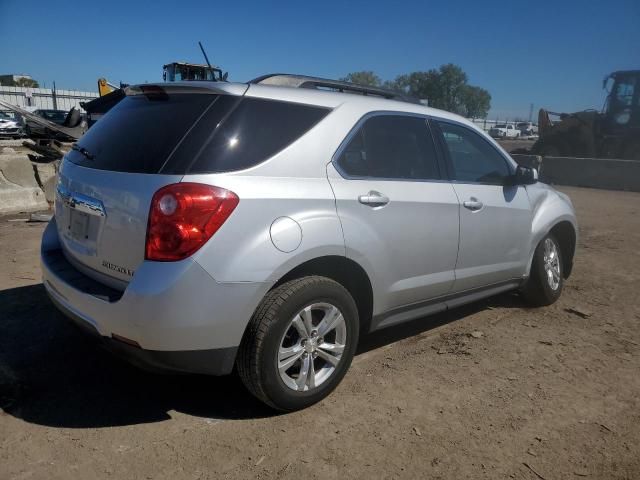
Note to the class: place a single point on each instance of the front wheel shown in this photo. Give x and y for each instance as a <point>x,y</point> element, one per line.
<point>299,343</point>
<point>545,282</point>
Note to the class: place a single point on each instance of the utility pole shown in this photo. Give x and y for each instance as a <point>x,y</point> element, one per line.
<point>530,112</point>
<point>53,96</point>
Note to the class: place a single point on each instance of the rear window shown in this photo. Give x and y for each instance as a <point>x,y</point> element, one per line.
<point>140,132</point>
<point>193,133</point>
<point>254,131</point>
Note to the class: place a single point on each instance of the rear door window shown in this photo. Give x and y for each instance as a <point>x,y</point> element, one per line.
<point>391,147</point>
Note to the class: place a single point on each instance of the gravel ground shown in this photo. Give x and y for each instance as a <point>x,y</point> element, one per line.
<point>494,390</point>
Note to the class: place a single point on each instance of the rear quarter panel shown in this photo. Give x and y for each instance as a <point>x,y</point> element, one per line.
<point>243,249</point>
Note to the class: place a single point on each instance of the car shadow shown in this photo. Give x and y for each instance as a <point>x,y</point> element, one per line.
<point>412,328</point>
<point>52,374</point>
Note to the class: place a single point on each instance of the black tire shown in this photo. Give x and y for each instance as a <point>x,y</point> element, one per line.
<point>258,353</point>
<point>538,290</point>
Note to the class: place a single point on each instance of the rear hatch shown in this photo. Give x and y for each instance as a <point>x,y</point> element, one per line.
<point>107,181</point>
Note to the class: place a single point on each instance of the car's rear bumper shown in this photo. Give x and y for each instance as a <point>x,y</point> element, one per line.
<point>219,361</point>
<point>172,315</point>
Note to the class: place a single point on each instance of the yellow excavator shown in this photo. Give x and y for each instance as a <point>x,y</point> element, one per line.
<point>612,133</point>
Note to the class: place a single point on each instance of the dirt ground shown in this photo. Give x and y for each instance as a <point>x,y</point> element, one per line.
<point>550,393</point>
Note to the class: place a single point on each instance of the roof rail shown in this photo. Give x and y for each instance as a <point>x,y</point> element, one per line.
<point>303,81</point>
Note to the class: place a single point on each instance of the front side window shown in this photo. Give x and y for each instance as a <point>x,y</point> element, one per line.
<point>391,147</point>
<point>473,159</point>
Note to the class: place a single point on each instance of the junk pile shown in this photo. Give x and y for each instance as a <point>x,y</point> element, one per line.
<point>28,174</point>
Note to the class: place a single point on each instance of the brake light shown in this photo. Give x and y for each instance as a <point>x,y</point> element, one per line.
<point>183,217</point>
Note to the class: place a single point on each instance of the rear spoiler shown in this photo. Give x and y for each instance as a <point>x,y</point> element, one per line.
<point>194,86</point>
<point>158,91</point>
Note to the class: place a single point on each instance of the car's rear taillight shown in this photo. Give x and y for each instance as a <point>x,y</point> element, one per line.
<point>183,216</point>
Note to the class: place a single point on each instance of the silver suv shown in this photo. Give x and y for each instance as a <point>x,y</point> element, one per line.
<point>201,226</point>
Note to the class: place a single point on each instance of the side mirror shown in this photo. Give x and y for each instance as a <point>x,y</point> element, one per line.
<point>526,175</point>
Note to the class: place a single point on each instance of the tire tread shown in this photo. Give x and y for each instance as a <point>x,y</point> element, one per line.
<point>253,340</point>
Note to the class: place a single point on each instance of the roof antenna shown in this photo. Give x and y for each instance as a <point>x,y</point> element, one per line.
<point>221,77</point>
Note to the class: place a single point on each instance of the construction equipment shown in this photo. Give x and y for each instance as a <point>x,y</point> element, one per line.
<point>111,94</point>
<point>612,133</point>
<point>189,72</point>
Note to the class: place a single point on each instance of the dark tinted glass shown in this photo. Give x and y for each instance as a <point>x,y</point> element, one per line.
<point>55,116</point>
<point>391,146</point>
<point>472,157</point>
<point>139,133</point>
<point>255,130</point>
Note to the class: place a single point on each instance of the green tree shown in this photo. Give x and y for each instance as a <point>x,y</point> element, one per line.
<point>422,85</point>
<point>445,88</point>
<point>452,82</point>
<point>366,78</point>
<point>477,102</point>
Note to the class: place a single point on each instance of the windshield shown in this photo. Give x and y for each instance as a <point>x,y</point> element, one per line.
<point>500,126</point>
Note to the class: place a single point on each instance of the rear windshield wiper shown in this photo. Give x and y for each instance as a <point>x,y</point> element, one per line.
<point>83,151</point>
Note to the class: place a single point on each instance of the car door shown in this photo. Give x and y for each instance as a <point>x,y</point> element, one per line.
<point>399,218</point>
<point>495,215</point>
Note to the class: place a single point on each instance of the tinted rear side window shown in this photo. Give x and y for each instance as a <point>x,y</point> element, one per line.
<point>255,130</point>
<point>140,132</point>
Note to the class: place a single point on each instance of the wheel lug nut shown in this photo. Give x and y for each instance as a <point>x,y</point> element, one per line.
<point>314,333</point>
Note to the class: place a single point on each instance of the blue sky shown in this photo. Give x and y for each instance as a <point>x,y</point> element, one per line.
<point>549,53</point>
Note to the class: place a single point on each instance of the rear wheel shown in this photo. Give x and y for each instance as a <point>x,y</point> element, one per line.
<point>545,281</point>
<point>299,343</point>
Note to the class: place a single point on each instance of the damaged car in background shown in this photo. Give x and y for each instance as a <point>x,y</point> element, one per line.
<point>10,125</point>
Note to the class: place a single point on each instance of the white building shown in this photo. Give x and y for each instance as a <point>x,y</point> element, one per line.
<point>33,98</point>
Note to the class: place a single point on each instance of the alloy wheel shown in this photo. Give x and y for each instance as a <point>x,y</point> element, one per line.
<point>552,263</point>
<point>312,346</point>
